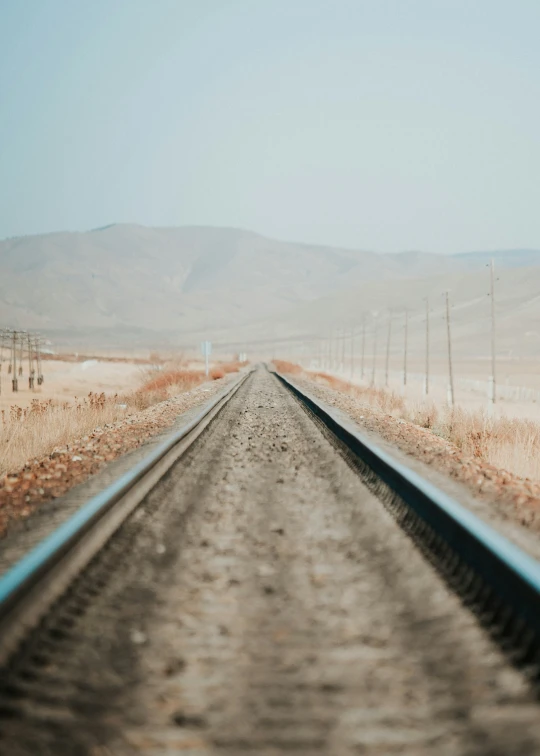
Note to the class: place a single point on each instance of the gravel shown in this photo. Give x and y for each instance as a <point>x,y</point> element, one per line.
<point>36,499</point>
<point>262,601</point>
<point>508,501</point>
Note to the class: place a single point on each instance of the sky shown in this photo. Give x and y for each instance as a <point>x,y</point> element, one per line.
<point>375,124</point>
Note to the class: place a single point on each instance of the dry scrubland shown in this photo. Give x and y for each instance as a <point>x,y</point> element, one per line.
<point>512,444</point>
<point>32,431</point>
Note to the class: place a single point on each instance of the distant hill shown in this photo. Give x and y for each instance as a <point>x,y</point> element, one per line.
<point>517,313</point>
<point>132,283</point>
<point>507,258</point>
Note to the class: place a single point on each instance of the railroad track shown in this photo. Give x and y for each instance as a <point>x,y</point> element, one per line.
<point>242,590</point>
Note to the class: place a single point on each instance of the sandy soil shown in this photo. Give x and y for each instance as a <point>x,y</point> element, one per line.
<point>66,380</point>
<point>261,602</point>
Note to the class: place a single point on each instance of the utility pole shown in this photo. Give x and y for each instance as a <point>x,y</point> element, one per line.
<point>38,361</point>
<point>374,349</point>
<point>388,347</point>
<point>2,344</point>
<point>492,383</point>
<point>21,351</point>
<point>31,371</point>
<point>406,334</point>
<point>352,352</point>
<point>450,372</point>
<point>363,344</point>
<point>14,382</point>
<point>343,341</point>
<point>426,384</point>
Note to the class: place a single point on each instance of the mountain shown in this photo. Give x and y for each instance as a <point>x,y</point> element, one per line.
<point>517,313</point>
<point>129,283</point>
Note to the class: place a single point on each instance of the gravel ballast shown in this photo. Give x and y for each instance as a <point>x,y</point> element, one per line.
<point>262,601</point>
<point>42,484</point>
<point>512,499</point>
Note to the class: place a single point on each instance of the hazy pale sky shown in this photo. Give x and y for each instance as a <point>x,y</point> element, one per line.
<point>381,124</point>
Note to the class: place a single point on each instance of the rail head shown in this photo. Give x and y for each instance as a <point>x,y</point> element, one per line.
<point>29,587</point>
<point>513,577</point>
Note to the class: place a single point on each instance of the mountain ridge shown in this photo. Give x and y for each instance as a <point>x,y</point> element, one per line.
<point>187,279</point>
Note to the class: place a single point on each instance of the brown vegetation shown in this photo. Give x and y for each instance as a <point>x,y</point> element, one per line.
<point>221,370</point>
<point>217,373</point>
<point>506,443</point>
<point>282,366</point>
<point>34,431</point>
<point>184,379</point>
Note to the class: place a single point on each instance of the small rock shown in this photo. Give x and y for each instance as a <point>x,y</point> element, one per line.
<point>181,719</point>
<point>137,637</point>
<point>175,666</point>
<point>76,458</point>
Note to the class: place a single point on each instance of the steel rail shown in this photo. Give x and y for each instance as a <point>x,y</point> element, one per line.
<point>501,580</point>
<point>29,588</point>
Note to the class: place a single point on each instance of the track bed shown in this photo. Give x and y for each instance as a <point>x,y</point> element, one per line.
<point>262,601</point>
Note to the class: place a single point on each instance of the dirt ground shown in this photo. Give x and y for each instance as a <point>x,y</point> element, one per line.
<point>66,380</point>
<point>262,601</point>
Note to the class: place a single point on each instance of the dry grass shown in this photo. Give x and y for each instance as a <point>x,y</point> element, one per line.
<point>33,432</point>
<point>224,368</point>
<point>159,385</point>
<point>510,444</point>
<point>282,366</point>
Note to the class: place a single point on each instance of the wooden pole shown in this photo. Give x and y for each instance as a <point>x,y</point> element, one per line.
<point>388,348</point>
<point>21,352</point>
<point>451,396</point>
<point>352,351</point>
<point>38,360</point>
<point>493,390</point>
<point>14,382</point>
<point>374,350</point>
<point>405,347</point>
<point>363,345</point>
<point>31,371</point>
<point>426,385</point>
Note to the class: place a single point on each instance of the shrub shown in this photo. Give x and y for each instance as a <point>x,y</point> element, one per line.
<point>282,366</point>
<point>217,373</point>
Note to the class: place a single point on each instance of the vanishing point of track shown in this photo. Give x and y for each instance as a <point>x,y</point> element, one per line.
<point>268,582</point>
